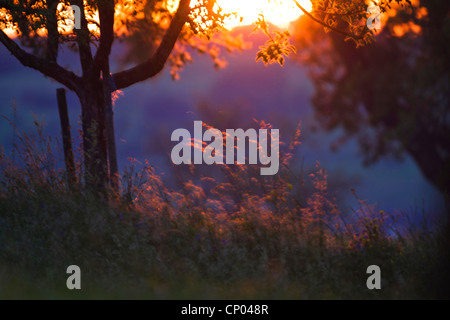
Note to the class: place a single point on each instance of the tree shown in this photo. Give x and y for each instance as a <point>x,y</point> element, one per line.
<point>165,31</point>
<point>43,27</point>
<point>392,95</point>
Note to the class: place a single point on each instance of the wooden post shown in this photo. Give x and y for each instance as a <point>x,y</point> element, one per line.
<point>66,137</point>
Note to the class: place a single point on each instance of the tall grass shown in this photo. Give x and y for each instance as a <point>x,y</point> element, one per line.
<point>239,237</point>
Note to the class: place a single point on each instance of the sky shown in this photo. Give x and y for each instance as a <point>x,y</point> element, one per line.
<point>148,112</point>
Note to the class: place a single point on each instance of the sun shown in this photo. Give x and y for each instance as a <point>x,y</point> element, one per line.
<point>278,12</point>
<point>245,12</point>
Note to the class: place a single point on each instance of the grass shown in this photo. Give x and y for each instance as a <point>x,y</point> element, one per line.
<point>241,237</point>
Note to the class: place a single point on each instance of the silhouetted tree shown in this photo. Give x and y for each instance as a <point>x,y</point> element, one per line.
<point>43,28</point>
<point>394,94</point>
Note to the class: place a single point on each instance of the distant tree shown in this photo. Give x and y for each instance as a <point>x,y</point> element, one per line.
<point>392,95</point>
<point>160,33</point>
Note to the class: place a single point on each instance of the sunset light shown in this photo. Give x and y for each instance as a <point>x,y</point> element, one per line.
<point>280,13</point>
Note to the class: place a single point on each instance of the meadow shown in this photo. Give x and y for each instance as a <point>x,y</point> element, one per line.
<point>243,236</point>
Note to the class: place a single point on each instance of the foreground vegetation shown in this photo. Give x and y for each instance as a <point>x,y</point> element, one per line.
<point>241,237</point>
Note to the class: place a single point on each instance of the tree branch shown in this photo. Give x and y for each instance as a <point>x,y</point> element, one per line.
<point>309,15</point>
<point>46,67</point>
<point>155,64</point>
<point>106,14</point>
<point>340,14</point>
<point>52,31</point>
<point>83,41</point>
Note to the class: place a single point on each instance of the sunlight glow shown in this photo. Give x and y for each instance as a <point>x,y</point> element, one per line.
<point>278,12</point>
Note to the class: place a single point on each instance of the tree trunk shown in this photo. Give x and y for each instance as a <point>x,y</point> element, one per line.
<point>94,136</point>
<point>433,162</point>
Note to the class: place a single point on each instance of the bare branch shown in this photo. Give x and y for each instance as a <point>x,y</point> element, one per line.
<point>52,31</point>
<point>83,40</point>
<point>352,13</point>
<point>156,63</point>
<point>345,33</point>
<point>106,14</point>
<point>46,67</point>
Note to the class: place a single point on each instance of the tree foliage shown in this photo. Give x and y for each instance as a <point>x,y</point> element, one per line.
<point>392,95</point>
